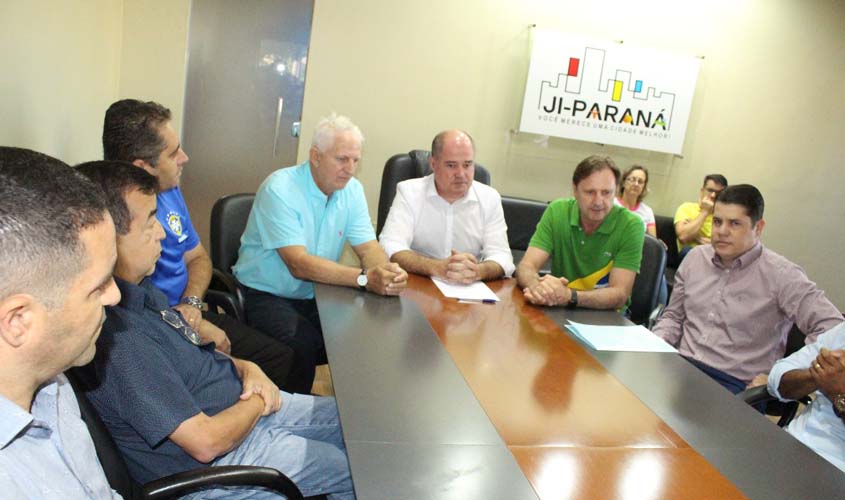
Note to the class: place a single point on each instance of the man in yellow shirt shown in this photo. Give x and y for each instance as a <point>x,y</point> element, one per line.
<point>693,221</point>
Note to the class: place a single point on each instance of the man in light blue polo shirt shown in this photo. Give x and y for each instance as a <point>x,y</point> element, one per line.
<point>299,222</point>
<point>54,221</point>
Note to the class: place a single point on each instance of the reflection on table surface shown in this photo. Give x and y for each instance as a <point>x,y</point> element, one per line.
<point>574,429</point>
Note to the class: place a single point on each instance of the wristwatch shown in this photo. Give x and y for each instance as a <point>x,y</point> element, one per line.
<point>839,405</point>
<point>573,299</point>
<point>193,301</point>
<point>362,280</point>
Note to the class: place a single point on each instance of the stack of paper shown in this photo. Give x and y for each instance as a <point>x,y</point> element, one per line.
<point>619,338</point>
<point>475,292</point>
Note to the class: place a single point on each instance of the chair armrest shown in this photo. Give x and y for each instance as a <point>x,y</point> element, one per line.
<point>180,484</point>
<point>225,301</point>
<point>785,410</point>
<point>755,395</point>
<point>225,291</point>
<point>221,280</point>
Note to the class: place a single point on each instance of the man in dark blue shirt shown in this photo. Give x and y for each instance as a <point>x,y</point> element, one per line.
<point>173,402</point>
<point>141,133</point>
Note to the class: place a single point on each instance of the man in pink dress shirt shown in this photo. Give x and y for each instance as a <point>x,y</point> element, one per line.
<point>734,300</point>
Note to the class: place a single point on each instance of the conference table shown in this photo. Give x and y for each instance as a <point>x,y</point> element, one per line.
<point>440,399</point>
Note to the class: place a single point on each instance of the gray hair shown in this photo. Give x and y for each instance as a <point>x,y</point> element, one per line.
<point>329,127</point>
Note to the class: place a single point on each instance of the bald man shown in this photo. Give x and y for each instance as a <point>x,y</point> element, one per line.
<point>446,224</point>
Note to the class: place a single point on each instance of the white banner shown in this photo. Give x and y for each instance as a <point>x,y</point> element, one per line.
<point>605,92</point>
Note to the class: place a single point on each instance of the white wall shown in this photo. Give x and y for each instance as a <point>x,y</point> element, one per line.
<point>60,68</point>
<point>155,41</point>
<point>766,109</point>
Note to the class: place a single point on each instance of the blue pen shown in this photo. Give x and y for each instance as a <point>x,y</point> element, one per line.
<point>478,301</point>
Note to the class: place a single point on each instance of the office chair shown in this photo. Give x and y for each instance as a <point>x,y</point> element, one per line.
<point>757,396</point>
<point>646,289</point>
<point>665,227</point>
<point>228,220</point>
<point>175,485</point>
<point>522,217</point>
<point>406,166</point>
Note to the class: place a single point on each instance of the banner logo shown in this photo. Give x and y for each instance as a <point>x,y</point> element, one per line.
<point>603,92</point>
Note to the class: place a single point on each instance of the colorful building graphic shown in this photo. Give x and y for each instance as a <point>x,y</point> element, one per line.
<point>633,106</point>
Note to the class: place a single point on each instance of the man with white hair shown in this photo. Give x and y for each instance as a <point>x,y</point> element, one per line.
<point>299,222</point>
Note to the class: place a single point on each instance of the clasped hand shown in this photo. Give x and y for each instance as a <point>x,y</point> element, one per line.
<point>387,279</point>
<point>828,372</point>
<point>548,291</point>
<point>255,382</point>
<point>461,268</point>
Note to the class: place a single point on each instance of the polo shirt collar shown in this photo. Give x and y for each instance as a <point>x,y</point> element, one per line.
<point>14,419</point>
<point>607,225</point>
<point>311,187</point>
<point>431,191</point>
<point>743,260</point>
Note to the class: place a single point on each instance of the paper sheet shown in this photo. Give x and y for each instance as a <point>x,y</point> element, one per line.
<point>476,292</point>
<point>635,338</point>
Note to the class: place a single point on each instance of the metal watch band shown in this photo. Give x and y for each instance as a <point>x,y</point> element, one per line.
<point>193,301</point>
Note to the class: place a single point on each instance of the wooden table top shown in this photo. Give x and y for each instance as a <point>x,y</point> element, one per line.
<point>574,429</point>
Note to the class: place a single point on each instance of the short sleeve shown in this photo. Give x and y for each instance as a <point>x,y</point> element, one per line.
<point>359,227</point>
<point>684,213</point>
<point>278,217</point>
<point>630,251</point>
<point>134,385</point>
<point>187,226</point>
<point>648,216</point>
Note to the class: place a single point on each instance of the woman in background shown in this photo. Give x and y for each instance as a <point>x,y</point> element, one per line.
<point>632,190</point>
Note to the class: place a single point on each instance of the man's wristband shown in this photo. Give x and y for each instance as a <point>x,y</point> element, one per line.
<point>573,299</point>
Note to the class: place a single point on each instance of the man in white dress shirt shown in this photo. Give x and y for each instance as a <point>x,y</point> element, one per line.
<point>446,224</point>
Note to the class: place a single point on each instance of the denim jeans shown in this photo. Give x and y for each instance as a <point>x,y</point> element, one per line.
<point>303,440</point>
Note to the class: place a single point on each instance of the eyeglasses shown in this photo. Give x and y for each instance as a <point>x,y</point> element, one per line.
<point>173,319</point>
<point>635,180</point>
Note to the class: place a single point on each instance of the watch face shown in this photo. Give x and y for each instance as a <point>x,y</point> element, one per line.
<point>839,404</point>
<point>362,280</point>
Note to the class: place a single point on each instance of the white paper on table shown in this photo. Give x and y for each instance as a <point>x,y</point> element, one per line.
<point>475,292</point>
<point>619,338</point>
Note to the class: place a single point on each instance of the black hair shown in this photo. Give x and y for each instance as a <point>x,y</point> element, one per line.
<point>131,131</point>
<point>117,179</point>
<point>747,196</point>
<point>717,178</point>
<point>44,206</point>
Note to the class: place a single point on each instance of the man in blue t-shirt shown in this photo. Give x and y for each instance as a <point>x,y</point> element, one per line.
<point>141,133</point>
<point>170,400</point>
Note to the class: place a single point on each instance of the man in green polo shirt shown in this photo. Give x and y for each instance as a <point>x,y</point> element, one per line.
<point>595,246</point>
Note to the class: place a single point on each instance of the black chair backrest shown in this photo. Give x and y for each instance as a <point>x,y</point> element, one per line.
<point>112,461</point>
<point>646,290</point>
<point>666,231</point>
<point>228,221</point>
<point>521,216</point>
<point>406,166</point>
